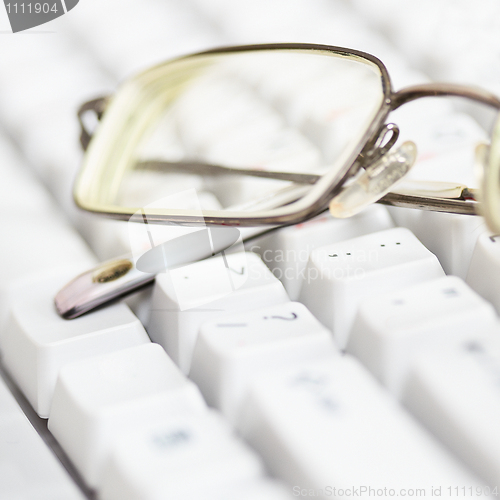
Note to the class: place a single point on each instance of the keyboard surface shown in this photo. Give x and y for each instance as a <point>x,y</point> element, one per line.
<point>337,357</point>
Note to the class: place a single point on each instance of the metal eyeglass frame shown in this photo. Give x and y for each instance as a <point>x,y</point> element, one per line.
<point>85,293</point>
<point>368,150</point>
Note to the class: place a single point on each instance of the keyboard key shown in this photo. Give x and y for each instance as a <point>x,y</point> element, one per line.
<point>446,142</point>
<point>339,276</point>
<point>186,297</point>
<point>445,139</point>
<point>451,237</point>
<point>110,238</point>
<point>287,251</point>
<point>146,188</point>
<point>263,489</point>
<point>184,457</point>
<point>26,249</point>
<point>232,351</point>
<point>484,270</point>
<point>454,392</point>
<point>391,331</point>
<point>332,425</point>
<point>19,189</point>
<point>36,342</point>
<point>28,469</point>
<point>99,399</point>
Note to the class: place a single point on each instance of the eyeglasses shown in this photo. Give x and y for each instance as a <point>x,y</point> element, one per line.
<point>267,135</point>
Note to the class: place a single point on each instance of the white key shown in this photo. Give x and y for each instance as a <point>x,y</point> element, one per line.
<point>333,426</point>
<point>104,236</point>
<point>19,190</point>
<point>391,331</point>
<point>484,270</point>
<point>56,163</point>
<point>36,342</point>
<point>10,290</point>
<point>451,237</point>
<point>259,489</point>
<point>144,188</point>
<point>63,80</point>
<point>26,247</point>
<point>263,489</point>
<point>179,456</point>
<point>109,238</point>
<point>186,297</point>
<point>286,251</point>
<point>28,469</point>
<point>99,399</point>
<point>140,304</point>
<point>339,276</point>
<point>139,237</point>
<point>446,143</point>
<point>162,31</point>
<point>232,351</point>
<point>455,394</point>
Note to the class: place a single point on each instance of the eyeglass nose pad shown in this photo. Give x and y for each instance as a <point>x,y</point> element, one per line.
<point>375,182</point>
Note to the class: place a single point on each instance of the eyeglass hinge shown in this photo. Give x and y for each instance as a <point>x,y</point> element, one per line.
<point>98,106</point>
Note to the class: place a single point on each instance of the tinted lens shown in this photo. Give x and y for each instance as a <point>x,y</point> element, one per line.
<point>249,131</point>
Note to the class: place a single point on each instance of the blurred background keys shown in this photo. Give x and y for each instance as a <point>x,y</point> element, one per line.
<point>484,271</point>
<point>299,417</point>
<point>390,332</point>
<point>454,392</point>
<point>192,457</point>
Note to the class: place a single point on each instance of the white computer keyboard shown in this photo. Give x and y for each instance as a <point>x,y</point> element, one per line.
<point>354,357</point>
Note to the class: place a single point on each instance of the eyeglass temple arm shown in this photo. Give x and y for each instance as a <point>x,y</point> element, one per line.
<point>466,203</point>
<point>414,92</point>
<point>201,168</point>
